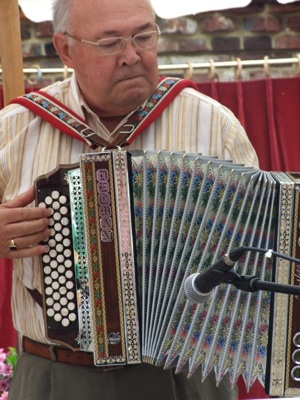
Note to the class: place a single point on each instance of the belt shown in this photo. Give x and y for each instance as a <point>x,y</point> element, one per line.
<point>61,354</point>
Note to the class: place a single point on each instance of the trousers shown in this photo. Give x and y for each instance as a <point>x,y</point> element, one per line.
<point>37,378</point>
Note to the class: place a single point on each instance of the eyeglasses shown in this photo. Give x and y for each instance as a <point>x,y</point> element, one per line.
<point>115,45</point>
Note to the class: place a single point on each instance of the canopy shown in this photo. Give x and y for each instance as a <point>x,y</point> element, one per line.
<point>40,10</point>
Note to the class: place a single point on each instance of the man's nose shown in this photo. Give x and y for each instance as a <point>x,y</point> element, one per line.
<point>129,52</point>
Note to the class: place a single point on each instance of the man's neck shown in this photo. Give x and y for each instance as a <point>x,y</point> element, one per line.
<point>111,122</point>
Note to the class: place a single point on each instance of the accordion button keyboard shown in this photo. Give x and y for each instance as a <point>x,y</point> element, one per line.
<point>59,280</point>
<point>58,264</point>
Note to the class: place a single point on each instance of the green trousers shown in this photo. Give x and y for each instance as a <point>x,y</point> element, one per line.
<point>40,379</point>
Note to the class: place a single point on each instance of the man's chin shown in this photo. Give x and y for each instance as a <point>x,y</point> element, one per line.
<point>135,83</point>
<point>137,91</point>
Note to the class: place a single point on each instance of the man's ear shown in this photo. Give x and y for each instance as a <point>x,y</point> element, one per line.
<point>62,47</point>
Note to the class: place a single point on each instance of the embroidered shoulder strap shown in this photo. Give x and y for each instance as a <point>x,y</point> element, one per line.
<point>64,119</point>
<point>166,91</point>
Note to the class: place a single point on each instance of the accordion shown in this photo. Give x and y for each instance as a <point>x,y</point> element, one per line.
<point>128,229</point>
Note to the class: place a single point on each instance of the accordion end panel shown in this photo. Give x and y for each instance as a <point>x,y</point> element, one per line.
<point>89,267</point>
<point>58,277</point>
<point>292,384</point>
<point>283,378</point>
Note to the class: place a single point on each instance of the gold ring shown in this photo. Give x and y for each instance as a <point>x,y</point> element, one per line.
<point>12,245</point>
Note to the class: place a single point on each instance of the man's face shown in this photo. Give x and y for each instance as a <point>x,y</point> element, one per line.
<point>112,85</point>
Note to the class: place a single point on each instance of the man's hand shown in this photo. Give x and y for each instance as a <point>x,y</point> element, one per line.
<point>23,227</point>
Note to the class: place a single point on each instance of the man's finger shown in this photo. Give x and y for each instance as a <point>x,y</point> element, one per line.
<point>15,215</point>
<point>22,200</point>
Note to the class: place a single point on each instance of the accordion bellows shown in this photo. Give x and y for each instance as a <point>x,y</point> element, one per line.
<point>129,229</point>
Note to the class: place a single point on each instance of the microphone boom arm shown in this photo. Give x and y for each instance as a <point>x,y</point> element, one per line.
<point>253,284</point>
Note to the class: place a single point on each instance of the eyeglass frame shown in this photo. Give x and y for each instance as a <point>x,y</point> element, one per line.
<point>123,40</point>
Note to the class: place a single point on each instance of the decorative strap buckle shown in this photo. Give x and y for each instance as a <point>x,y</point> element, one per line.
<point>127,129</point>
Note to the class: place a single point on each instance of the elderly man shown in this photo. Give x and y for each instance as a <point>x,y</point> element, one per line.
<point>112,47</point>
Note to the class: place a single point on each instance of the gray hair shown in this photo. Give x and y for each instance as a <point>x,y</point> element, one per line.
<point>61,14</point>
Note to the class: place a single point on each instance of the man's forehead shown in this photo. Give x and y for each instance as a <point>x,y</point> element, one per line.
<point>139,27</point>
<point>103,7</point>
<point>112,16</point>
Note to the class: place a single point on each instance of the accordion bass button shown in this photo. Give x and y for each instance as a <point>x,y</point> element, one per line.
<point>296,356</point>
<point>296,339</point>
<point>295,373</point>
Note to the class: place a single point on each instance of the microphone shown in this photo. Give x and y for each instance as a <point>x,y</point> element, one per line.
<point>198,286</point>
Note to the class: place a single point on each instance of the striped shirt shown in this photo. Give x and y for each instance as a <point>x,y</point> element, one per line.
<point>30,147</point>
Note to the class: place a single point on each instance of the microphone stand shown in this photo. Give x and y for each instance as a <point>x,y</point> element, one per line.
<point>253,284</point>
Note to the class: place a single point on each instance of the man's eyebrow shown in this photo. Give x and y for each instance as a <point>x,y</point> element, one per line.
<point>137,28</point>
